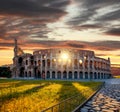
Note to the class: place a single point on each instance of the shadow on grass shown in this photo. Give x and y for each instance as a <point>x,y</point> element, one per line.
<point>15,94</point>
<point>69,97</point>
<point>72,94</point>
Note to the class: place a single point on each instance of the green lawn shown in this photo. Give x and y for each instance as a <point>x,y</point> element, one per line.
<point>36,95</point>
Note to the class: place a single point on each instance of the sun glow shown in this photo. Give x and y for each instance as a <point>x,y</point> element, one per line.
<point>64,56</point>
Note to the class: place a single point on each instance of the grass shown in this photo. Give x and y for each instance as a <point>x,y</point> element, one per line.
<point>36,95</point>
<point>118,76</point>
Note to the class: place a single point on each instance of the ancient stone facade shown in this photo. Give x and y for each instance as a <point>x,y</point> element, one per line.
<point>60,63</point>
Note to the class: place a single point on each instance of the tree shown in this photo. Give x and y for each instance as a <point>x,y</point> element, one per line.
<point>5,72</point>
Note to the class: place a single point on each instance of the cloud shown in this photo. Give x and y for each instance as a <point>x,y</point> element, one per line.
<point>93,14</point>
<point>29,18</point>
<point>28,8</point>
<point>113,31</point>
<point>96,45</point>
<point>5,48</point>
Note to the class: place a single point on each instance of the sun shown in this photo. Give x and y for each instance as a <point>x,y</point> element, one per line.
<point>64,56</point>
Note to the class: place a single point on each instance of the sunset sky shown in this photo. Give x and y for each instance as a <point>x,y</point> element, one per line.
<point>84,24</point>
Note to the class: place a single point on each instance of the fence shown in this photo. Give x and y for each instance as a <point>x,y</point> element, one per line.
<point>66,105</point>
<point>72,103</point>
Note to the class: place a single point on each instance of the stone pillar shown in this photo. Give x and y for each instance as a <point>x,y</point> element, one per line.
<point>67,74</point>
<point>100,75</point>
<point>55,74</point>
<point>50,74</point>
<point>45,65</point>
<point>51,63</point>
<point>88,67</point>
<point>78,77</point>
<point>73,74</point>
<point>93,68</point>
<point>96,75</point>
<point>83,66</point>
<point>41,64</point>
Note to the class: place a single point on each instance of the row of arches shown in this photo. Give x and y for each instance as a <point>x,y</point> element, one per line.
<point>68,75</point>
<point>78,63</point>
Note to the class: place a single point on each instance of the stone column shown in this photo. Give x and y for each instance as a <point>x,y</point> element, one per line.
<point>96,75</point>
<point>93,69</point>
<point>67,74</point>
<point>88,67</point>
<point>55,74</point>
<point>83,66</point>
<point>72,74</point>
<point>78,67</point>
<point>45,65</point>
<point>41,65</point>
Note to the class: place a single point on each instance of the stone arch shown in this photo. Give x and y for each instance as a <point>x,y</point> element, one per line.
<point>64,75</point>
<point>30,74</point>
<point>91,75</point>
<point>48,74</point>
<point>22,72</point>
<point>102,76</point>
<point>75,63</point>
<point>95,75</point>
<point>43,63</point>
<point>39,62</point>
<point>53,75</point>
<point>70,75</point>
<point>91,63</point>
<point>25,74</point>
<point>39,74</point>
<point>48,62</point>
<point>26,62</point>
<point>59,74</point>
<point>35,72</point>
<point>20,60</point>
<point>98,75</point>
<point>86,75</point>
<point>81,75</point>
<point>75,75</point>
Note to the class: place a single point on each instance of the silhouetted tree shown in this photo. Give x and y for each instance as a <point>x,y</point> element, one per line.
<point>5,72</point>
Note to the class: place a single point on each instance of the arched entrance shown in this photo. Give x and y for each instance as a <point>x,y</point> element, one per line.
<point>59,74</point>
<point>39,74</point>
<point>75,75</point>
<point>48,75</point>
<point>86,75</point>
<point>53,74</point>
<point>98,75</point>
<point>20,60</point>
<point>81,75</point>
<point>21,72</point>
<point>70,75</point>
<point>25,74</point>
<point>102,76</point>
<point>64,75</point>
<point>95,75</point>
<point>35,72</point>
<point>91,75</point>
<point>29,73</point>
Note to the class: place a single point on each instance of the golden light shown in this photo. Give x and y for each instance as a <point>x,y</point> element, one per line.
<point>54,59</point>
<point>69,60</point>
<point>64,56</point>
<point>59,60</point>
<point>80,61</point>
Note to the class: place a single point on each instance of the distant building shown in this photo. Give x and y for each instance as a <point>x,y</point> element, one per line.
<point>59,63</point>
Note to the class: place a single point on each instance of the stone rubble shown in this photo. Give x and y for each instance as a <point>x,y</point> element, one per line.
<point>106,100</point>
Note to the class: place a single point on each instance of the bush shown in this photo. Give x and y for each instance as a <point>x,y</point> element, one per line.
<point>5,72</point>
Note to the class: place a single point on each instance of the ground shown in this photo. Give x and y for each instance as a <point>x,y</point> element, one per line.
<point>37,95</point>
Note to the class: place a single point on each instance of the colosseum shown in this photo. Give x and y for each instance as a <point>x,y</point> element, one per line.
<point>59,63</point>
